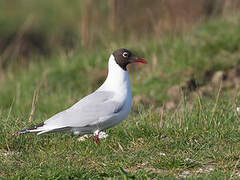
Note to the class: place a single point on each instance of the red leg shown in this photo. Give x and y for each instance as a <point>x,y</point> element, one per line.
<point>96,139</point>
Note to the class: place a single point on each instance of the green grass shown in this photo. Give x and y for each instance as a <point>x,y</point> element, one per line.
<point>147,144</point>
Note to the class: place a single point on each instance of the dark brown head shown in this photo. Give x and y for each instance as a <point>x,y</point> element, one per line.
<point>123,57</point>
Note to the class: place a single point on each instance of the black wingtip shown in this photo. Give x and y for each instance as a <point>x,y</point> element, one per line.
<point>28,129</point>
<point>21,131</point>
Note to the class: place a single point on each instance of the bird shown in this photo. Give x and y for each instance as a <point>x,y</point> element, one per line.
<point>106,107</point>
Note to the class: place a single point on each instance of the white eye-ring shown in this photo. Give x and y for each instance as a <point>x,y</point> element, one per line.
<point>125,54</point>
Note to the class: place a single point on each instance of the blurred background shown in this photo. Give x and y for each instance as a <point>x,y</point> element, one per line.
<point>30,28</point>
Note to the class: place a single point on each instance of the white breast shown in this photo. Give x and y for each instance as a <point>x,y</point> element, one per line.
<point>118,82</point>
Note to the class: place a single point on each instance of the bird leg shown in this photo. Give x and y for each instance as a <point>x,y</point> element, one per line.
<point>96,133</point>
<point>96,139</point>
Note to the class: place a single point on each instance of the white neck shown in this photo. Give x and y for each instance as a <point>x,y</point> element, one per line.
<point>117,79</point>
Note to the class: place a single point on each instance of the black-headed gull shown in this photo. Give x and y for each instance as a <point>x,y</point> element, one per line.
<point>106,107</point>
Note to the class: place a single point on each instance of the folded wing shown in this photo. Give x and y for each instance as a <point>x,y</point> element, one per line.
<point>89,111</point>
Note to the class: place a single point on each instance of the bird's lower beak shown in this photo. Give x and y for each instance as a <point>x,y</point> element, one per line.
<point>139,60</point>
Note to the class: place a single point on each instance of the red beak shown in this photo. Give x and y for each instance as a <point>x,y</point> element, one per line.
<point>140,60</point>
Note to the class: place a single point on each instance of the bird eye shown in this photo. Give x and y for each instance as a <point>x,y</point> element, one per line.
<point>125,54</point>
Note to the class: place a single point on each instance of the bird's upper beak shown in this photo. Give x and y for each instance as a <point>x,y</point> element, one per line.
<point>135,59</point>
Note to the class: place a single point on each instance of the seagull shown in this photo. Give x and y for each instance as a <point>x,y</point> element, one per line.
<point>106,107</point>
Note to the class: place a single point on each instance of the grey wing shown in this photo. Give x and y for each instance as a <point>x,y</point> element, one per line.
<point>90,110</point>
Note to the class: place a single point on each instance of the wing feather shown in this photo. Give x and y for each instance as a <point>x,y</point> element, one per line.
<point>89,111</point>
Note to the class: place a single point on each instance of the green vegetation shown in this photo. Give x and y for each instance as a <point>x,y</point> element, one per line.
<point>202,141</point>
